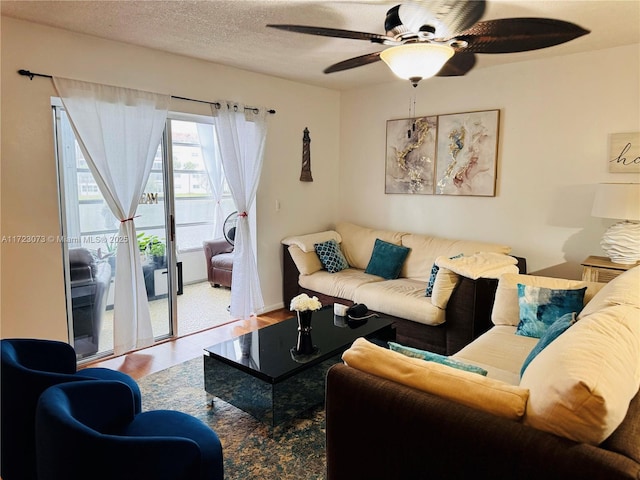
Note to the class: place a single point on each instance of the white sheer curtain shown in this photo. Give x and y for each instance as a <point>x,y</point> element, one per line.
<point>241,136</point>
<point>119,131</point>
<point>213,165</point>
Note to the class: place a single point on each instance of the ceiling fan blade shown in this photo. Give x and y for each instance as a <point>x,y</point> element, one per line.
<point>353,62</point>
<point>458,65</point>
<point>446,17</point>
<point>508,35</point>
<point>332,32</point>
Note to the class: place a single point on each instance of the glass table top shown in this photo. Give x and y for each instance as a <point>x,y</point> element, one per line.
<point>266,353</point>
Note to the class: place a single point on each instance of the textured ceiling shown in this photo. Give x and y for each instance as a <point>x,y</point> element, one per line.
<point>233,32</point>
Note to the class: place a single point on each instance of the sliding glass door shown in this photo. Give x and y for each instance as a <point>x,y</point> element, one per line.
<point>201,203</point>
<point>90,239</point>
<point>184,195</point>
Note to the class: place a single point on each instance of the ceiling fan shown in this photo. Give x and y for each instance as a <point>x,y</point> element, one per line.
<point>441,37</point>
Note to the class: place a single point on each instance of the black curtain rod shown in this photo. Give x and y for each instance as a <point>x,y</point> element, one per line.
<point>30,74</point>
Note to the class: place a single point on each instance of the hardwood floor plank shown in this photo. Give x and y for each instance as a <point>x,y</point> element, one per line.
<point>172,352</point>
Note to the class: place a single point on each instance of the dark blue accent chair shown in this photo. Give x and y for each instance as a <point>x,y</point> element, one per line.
<point>28,368</point>
<point>94,424</point>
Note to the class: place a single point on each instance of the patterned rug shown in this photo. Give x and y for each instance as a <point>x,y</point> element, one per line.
<point>251,450</point>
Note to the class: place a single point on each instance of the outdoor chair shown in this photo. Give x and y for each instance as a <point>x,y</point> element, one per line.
<point>218,255</point>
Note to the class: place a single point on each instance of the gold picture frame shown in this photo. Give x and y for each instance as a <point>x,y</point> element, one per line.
<point>452,154</point>
<point>467,153</point>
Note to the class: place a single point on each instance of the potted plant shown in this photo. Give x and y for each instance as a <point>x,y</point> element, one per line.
<point>158,249</point>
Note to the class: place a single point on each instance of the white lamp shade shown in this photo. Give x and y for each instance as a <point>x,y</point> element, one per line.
<point>617,200</point>
<point>416,60</point>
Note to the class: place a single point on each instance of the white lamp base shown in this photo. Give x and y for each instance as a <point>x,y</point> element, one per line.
<point>621,243</point>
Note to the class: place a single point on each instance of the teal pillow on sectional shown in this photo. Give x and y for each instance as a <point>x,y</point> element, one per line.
<point>541,307</point>
<point>556,329</point>
<point>386,259</point>
<point>331,256</point>
<point>434,357</point>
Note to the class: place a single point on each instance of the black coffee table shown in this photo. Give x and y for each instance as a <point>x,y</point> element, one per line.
<point>258,373</point>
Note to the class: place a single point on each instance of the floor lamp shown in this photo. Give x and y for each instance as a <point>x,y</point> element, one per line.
<point>621,241</point>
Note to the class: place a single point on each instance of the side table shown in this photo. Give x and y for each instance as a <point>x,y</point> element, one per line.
<point>601,269</point>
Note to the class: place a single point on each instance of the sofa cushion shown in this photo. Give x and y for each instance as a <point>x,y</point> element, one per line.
<point>500,352</point>
<point>466,388</point>
<point>306,262</point>
<point>425,249</point>
<point>331,256</point>
<point>506,307</point>
<point>386,260</point>
<point>435,357</point>
<point>403,298</point>
<point>540,307</point>
<point>357,242</point>
<point>581,384</point>
<point>622,290</point>
<point>554,331</point>
<point>342,284</point>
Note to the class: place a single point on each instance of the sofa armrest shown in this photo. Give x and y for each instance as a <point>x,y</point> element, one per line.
<point>469,309</point>
<point>290,274</point>
<point>216,247</point>
<point>378,429</point>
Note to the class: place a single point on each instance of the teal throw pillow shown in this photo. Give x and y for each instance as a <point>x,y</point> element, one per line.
<point>432,277</point>
<point>556,329</point>
<point>540,307</point>
<point>386,259</point>
<point>434,357</point>
<point>331,256</point>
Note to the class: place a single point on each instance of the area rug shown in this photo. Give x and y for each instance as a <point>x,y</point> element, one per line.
<point>251,449</point>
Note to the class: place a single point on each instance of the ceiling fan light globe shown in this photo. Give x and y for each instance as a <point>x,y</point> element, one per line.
<point>417,60</point>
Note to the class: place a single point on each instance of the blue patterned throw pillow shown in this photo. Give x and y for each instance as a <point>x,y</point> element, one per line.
<point>386,259</point>
<point>556,329</point>
<point>434,357</point>
<point>331,256</point>
<point>541,307</point>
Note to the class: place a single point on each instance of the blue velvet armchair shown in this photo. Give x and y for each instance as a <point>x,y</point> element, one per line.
<point>29,367</point>
<point>94,423</point>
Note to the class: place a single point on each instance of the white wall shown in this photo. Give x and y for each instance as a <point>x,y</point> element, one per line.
<point>32,293</point>
<point>556,116</point>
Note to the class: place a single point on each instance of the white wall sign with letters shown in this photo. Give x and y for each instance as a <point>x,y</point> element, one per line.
<point>624,152</point>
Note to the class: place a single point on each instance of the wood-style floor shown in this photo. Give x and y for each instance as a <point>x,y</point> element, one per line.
<point>172,352</point>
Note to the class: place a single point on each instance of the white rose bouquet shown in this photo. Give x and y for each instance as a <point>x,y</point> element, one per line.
<point>303,302</point>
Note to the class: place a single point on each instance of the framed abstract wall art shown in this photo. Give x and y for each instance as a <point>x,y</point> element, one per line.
<point>410,155</point>
<point>466,153</point>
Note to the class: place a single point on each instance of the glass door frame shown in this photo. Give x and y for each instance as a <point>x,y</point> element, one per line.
<point>170,229</point>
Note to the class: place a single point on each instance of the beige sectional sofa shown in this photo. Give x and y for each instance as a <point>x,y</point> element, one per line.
<point>573,414</point>
<point>422,321</point>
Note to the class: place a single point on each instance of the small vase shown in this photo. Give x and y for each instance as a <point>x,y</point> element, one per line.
<point>304,344</point>
<point>304,321</point>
